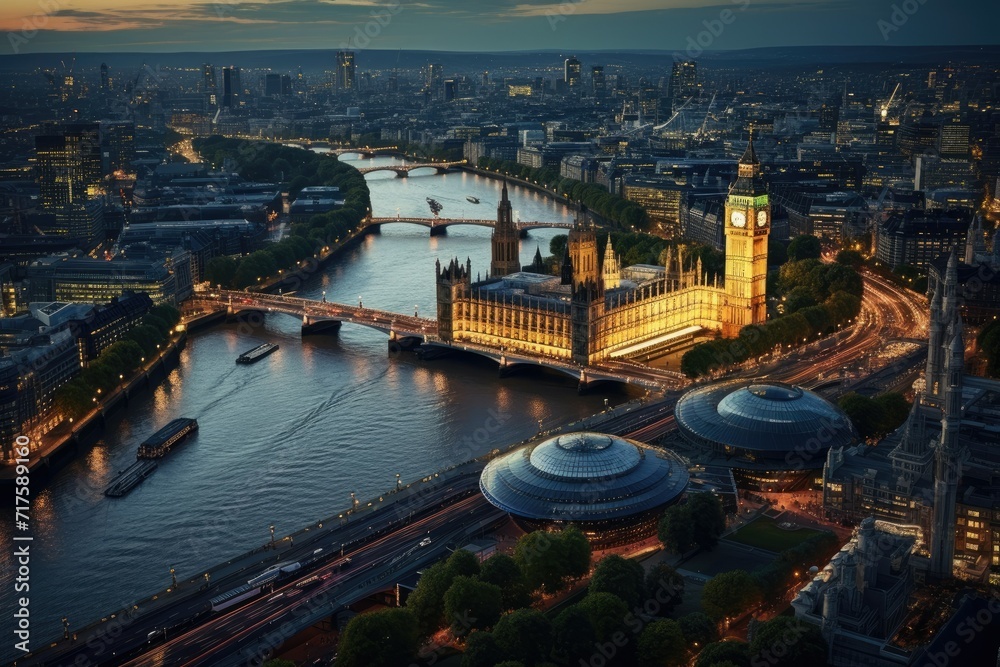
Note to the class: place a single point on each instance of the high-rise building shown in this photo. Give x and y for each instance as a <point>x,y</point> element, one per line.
<point>435,71</point>
<point>598,84</point>
<point>748,222</point>
<point>450,89</point>
<point>208,78</point>
<point>346,71</point>
<point>954,140</point>
<point>117,146</point>
<point>105,82</point>
<point>571,72</point>
<point>231,88</point>
<point>505,240</point>
<point>69,164</point>
<point>649,102</point>
<point>683,82</point>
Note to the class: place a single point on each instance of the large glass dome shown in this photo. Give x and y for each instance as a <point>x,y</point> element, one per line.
<point>769,419</point>
<point>584,477</point>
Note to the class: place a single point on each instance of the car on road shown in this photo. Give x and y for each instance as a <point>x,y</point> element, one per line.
<point>426,542</point>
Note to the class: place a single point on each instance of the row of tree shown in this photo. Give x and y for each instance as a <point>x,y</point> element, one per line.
<point>298,168</point>
<point>121,358</point>
<point>812,300</point>
<point>618,210</point>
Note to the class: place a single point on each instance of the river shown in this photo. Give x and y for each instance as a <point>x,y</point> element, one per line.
<point>286,440</point>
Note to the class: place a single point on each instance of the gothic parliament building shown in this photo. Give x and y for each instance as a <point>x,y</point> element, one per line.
<point>596,310</point>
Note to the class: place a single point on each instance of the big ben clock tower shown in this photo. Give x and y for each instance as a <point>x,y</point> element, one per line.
<point>748,222</point>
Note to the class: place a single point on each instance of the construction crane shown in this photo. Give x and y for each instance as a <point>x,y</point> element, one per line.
<point>675,115</point>
<point>888,105</point>
<point>708,112</point>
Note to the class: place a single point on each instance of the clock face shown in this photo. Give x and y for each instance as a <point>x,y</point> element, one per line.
<point>739,219</point>
<point>761,218</point>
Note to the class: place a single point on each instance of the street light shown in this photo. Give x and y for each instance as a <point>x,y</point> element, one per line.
<point>173,577</point>
<point>416,310</point>
<point>272,535</point>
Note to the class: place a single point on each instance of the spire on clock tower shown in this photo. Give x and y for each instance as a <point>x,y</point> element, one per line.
<point>506,239</point>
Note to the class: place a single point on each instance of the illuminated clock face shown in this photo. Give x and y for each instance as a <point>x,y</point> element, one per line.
<point>739,219</point>
<point>761,218</point>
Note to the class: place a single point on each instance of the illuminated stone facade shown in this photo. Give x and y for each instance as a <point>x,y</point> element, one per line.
<point>590,314</point>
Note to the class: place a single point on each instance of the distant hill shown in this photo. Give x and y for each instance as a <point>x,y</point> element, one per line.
<point>283,60</point>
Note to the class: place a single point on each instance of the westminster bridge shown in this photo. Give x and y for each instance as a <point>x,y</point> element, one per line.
<point>408,332</point>
<point>439,226</point>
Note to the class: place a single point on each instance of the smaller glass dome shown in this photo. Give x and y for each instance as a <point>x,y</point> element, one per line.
<point>586,477</point>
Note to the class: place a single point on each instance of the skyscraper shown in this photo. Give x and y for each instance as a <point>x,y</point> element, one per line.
<point>231,88</point>
<point>117,146</point>
<point>105,82</point>
<point>434,73</point>
<point>683,82</point>
<point>69,164</point>
<point>953,142</point>
<point>346,72</point>
<point>598,84</point>
<point>571,72</point>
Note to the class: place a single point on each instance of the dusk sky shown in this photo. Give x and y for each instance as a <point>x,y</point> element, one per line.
<point>487,25</point>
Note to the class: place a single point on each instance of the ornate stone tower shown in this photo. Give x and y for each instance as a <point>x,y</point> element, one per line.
<point>506,241</point>
<point>747,224</point>
<point>948,459</point>
<point>452,287</point>
<point>582,245</point>
<point>611,268</point>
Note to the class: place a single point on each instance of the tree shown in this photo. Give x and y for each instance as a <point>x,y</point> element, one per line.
<point>785,641</point>
<point>776,252</point>
<point>573,636</point>
<point>661,644</point>
<point>865,413</point>
<point>989,342</point>
<point>525,635</point>
<point>427,599</point>
<point>481,650</point>
<point>729,594</point>
<point>471,604</point>
<point>620,576</point>
<point>675,529</point>
<point>805,246</point>
<point>557,246</point>
<point>607,613</point>
<point>708,519</point>
<point>575,550</point>
<point>851,258</point>
<point>385,638</point>
<point>895,409</point>
<point>698,629</point>
<point>463,563</point>
<point>666,586</point>
<point>733,652</point>
<point>501,570</point>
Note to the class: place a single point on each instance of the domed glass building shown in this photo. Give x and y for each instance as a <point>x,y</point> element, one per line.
<point>774,436</point>
<point>614,489</point>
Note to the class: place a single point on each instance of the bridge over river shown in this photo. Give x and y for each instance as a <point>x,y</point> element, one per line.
<point>439,226</point>
<point>408,332</point>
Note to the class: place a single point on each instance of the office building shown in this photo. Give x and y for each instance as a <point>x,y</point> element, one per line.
<point>346,72</point>
<point>571,72</point>
<point>232,89</point>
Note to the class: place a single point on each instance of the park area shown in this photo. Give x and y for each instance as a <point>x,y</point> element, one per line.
<point>769,534</point>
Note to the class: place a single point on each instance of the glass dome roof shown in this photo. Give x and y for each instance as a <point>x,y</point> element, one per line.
<point>584,477</point>
<point>763,417</point>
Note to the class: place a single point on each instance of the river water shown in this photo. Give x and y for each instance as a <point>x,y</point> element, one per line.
<point>286,440</point>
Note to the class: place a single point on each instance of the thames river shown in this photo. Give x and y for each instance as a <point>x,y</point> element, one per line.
<point>285,441</point>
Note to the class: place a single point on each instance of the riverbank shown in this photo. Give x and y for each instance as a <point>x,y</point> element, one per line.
<point>65,441</point>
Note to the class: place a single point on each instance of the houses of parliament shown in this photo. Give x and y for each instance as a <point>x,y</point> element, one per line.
<point>596,310</point>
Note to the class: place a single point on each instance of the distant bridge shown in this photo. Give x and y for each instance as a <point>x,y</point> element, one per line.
<point>409,331</point>
<point>438,226</point>
<point>403,170</point>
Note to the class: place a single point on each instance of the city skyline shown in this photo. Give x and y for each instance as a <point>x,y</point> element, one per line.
<point>513,25</point>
